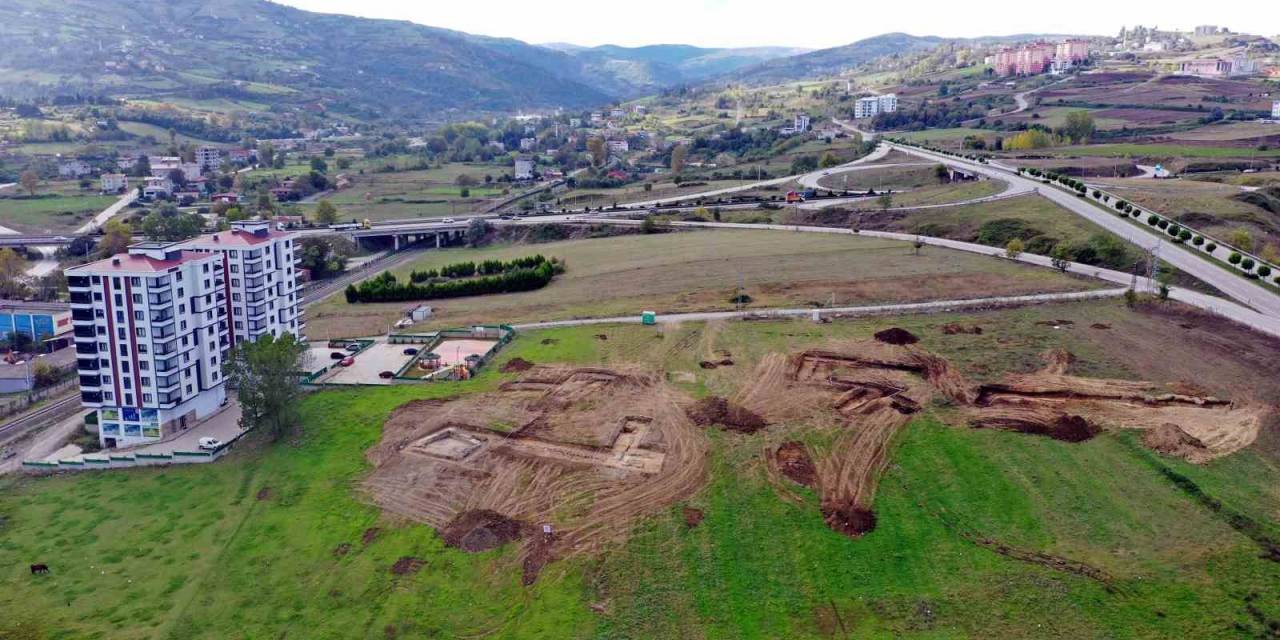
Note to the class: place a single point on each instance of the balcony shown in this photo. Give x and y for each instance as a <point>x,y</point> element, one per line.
<point>90,382</point>
<point>159,317</point>
<point>87,364</point>
<point>82,315</point>
<point>91,397</point>
<point>159,283</point>
<point>168,382</point>
<point>163,366</point>
<point>173,397</point>
<point>83,331</point>
<point>81,297</point>
<point>163,297</point>
<point>78,282</point>
<point>87,348</point>
<point>166,348</point>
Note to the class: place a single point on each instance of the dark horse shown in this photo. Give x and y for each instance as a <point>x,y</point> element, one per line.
<point>39,569</point>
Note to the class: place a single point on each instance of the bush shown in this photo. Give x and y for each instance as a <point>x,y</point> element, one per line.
<point>1247,264</point>
<point>384,288</point>
<point>1153,219</point>
<point>1173,230</point>
<point>1198,240</point>
<point>1235,258</point>
<point>1211,247</point>
<point>1184,235</point>
<point>1162,224</point>
<point>1264,270</point>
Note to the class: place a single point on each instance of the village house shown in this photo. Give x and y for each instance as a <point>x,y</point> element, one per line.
<point>114,183</point>
<point>74,169</point>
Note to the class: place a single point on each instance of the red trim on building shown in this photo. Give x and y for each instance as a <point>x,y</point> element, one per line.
<point>133,343</point>
<point>226,284</point>
<point>111,340</point>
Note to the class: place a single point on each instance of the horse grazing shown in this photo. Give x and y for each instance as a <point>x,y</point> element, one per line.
<point>39,569</point>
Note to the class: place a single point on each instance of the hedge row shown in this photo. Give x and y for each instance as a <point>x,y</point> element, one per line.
<point>468,269</point>
<point>385,288</point>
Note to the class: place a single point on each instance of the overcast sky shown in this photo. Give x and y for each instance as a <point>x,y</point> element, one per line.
<point>812,24</point>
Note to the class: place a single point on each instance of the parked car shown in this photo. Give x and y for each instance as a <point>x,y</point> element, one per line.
<point>347,361</point>
<point>387,375</point>
<point>353,347</point>
<point>337,355</point>
<point>411,351</point>
<point>209,444</point>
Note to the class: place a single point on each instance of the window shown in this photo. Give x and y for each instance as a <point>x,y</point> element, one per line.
<point>188,388</point>
<point>120,333</point>
<point>146,382</point>
<point>182,308</point>
<point>97,297</point>
<point>140,332</point>
<point>235,254</point>
<point>128,398</point>
<point>102,331</point>
<point>235,282</point>
<point>235,268</point>
<point>119,300</point>
<point>99,314</point>
<point>139,316</point>
<point>137,297</point>
<point>128,384</point>
<point>235,297</point>
<point>119,316</point>
<point>144,366</point>
<point>180,292</point>
<point>205,267</point>
<point>124,351</point>
<point>146,398</point>
<point>135,281</point>
<point>97,279</point>
<point>106,379</point>
<point>108,396</point>
<point>104,362</point>
<point>142,348</point>
<point>239,325</point>
<point>184,325</point>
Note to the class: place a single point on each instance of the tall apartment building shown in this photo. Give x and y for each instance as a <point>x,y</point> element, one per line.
<point>150,332</point>
<point>872,106</point>
<point>153,326</point>
<point>208,158</point>
<point>1275,110</point>
<point>261,287</point>
<point>800,123</point>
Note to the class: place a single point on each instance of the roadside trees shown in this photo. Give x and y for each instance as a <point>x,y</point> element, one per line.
<point>29,180</point>
<point>326,213</point>
<point>1014,249</point>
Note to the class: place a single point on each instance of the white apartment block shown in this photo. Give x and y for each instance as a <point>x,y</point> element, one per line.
<point>261,287</point>
<point>208,158</point>
<point>150,331</point>
<point>872,106</point>
<point>800,123</point>
<point>114,182</point>
<point>1275,110</point>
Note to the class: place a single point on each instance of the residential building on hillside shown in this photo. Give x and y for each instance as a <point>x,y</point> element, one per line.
<point>872,106</point>
<point>1038,57</point>
<point>1275,110</point>
<point>208,159</point>
<point>163,166</point>
<point>524,169</point>
<point>800,123</point>
<point>150,333</point>
<point>261,287</point>
<point>74,169</point>
<point>618,146</point>
<point>114,182</point>
<point>528,144</point>
<point>1218,67</point>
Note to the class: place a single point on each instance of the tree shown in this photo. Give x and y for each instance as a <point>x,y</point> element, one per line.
<point>115,239</point>
<point>167,224</point>
<point>1014,249</point>
<point>465,180</point>
<point>29,180</point>
<point>325,255</point>
<point>1079,126</point>
<point>678,155</point>
<point>477,229</point>
<point>599,152</point>
<point>326,213</point>
<point>1241,238</point>
<point>267,376</point>
<point>12,267</point>
<point>829,160</point>
<point>942,173</point>
<point>885,201</point>
<point>804,164</point>
<point>1061,258</point>
<point>266,154</point>
<point>318,165</point>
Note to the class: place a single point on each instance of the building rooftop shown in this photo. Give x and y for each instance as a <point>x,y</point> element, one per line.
<point>235,238</point>
<point>139,263</point>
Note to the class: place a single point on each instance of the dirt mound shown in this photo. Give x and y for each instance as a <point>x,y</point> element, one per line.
<point>896,336</point>
<point>849,519</point>
<point>341,549</point>
<point>952,329</point>
<point>794,462</point>
<point>602,337</point>
<point>1169,439</point>
<point>516,365</point>
<point>264,494</point>
<point>1055,323</point>
<point>407,565</point>
<point>547,341</point>
<point>536,556</point>
<point>1100,325</point>
<point>370,535</point>
<point>1039,421</point>
<point>713,364</point>
<point>692,517</point>
<point>714,410</point>
<point>481,530</point>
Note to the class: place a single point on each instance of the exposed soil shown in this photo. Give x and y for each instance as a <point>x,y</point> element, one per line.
<point>264,494</point>
<point>849,519</point>
<point>1057,563</point>
<point>896,336</point>
<point>536,556</point>
<point>794,462</point>
<point>1055,323</point>
<point>714,364</point>
<point>1169,439</point>
<point>692,517</point>
<point>547,341</point>
<point>1067,428</point>
<point>481,530</point>
<point>589,451</point>
<point>714,410</point>
<point>602,337</point>
<point>342,549</point>
<point>952,329</point>
<point>407,565</point>
<point>516,365</point>
<point>1100,326</point>
<point>370,535</point>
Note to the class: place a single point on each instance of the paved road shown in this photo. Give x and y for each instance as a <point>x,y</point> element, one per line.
<point>108,213</point>
<point>868,310</point>
<point>1229,283</point>
<point>813,180</point>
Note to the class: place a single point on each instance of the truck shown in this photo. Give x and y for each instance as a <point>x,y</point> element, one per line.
<point>794,196</point>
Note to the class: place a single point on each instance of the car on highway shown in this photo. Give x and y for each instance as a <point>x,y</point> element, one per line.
<point>410,352</point>
<point>209,444</point>
<point>337,355</point>
<point>347,361</point>
<point>353,347</point>
<point>447,221</point>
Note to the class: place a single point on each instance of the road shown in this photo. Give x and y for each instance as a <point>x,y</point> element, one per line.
<point>883,309</point>
<point>1229,283</point>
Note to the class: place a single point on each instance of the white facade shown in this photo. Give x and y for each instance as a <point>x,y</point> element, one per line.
<point>74,169</point>
<point>618,146</point>
<point>114,182</point>
<point>528,144</point>
<point>872,106</point>
<point>208,158</point>
<point>262,291</point>
<point>151,332</point>
<point>801,123</point>
<point>1275,109</point>
<point>524,169</point>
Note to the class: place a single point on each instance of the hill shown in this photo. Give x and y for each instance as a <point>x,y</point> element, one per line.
<point>629,71</point>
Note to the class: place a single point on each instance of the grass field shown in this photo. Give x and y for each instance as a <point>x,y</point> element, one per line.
<point>245,547</point>
<point>1163,151</point>
<point>1209,207</point>
<point>57,207</point>
<point>413,194</point>
<point>699,271</point>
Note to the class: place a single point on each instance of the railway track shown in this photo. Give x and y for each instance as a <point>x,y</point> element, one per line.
<point>19,426</point>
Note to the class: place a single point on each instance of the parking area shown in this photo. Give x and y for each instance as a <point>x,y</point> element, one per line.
<point>368,364</point>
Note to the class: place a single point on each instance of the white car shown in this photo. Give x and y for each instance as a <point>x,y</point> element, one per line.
<point>209,444</point>
<point>447,221</point>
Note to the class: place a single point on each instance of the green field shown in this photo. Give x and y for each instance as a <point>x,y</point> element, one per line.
<point>700,271</point>
<point>55,208</point>
<point>1163,151</point>
<point>244,548</point>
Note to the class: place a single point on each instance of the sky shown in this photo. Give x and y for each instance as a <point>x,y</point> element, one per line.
<point>812,24</point>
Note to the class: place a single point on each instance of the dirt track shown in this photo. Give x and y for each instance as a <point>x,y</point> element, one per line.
<point>585,451</point>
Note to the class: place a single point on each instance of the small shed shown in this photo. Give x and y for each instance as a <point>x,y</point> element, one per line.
<point>648,318</point>
<point>420,313</point>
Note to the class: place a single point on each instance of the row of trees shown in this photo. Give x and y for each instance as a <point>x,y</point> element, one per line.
<point>385,288</point>
<point>486,268</point>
